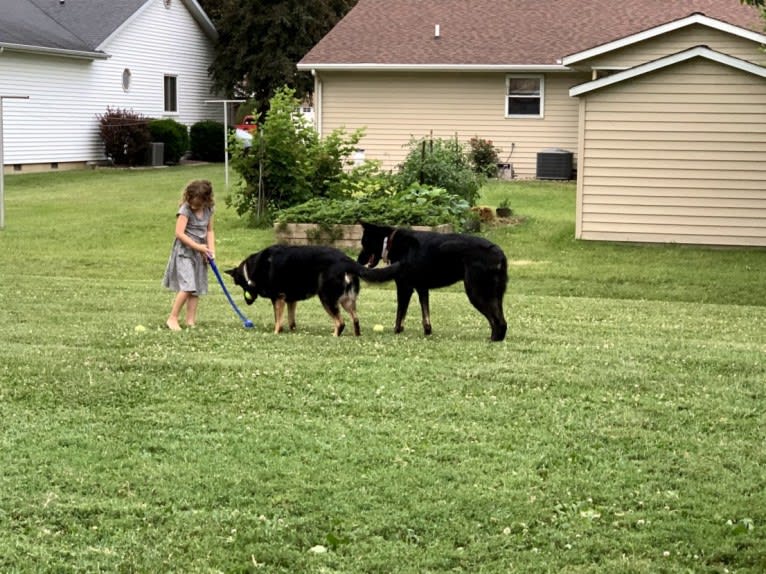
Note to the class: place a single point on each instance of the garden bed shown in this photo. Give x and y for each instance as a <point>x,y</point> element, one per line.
<point>340,236</point>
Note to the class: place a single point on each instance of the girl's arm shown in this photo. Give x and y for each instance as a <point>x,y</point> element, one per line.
<point>211,238</point>
<point>181,222</point>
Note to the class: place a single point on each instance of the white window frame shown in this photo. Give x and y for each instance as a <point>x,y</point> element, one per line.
<point>541,79</point>
<point>166,96</point>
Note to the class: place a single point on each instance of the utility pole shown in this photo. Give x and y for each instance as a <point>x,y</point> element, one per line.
<point>2,159</point>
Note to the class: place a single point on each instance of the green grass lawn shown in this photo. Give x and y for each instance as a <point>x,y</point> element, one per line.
<point>619,428</point>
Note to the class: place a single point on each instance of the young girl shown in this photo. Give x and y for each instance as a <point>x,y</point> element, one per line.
<point>186,272</point>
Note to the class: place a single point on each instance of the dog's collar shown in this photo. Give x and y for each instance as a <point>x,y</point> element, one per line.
<point>387,246</point>
<point>247,275</point>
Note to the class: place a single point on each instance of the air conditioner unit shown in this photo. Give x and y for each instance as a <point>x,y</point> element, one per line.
<point>554,163</point>
<point>156,154</point>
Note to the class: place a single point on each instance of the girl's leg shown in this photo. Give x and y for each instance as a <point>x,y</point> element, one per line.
<point>181,298</point>
<point>191,310</point>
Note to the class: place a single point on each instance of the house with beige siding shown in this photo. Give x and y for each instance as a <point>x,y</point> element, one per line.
<point>662,105</point>
<point>75,58</point>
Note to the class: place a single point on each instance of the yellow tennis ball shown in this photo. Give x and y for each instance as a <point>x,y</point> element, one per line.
<point>378,328</point>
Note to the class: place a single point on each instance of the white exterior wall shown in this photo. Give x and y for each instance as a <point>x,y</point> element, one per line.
<point>59,122</point>
<point>54,124</point>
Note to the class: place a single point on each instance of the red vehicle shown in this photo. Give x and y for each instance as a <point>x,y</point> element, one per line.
<point>249,124</point>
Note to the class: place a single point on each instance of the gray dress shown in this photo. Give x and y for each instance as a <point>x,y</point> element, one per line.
<point>187,269</point>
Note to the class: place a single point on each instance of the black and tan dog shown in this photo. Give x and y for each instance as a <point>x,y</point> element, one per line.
<point>428,260</point>
<point>287,274</point>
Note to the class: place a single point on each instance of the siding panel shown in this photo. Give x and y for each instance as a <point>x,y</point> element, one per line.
<point>677,41</point>
<point>659,166</point>
<point>395,107</point>
<point>59,121</point>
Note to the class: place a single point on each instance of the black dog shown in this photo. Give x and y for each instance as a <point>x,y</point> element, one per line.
<point>287,274</point>
<point>429,260</point>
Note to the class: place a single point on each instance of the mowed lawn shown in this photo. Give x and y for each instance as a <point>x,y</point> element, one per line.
<point>619,428</point>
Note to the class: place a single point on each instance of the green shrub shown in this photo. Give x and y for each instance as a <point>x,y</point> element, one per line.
<point>125,135</point>
<point>174,135</point>
<point>441,163</point>
<point>416,205</point>
<point>483,156</point>
<point>288,163</point>
<point>206,140</point>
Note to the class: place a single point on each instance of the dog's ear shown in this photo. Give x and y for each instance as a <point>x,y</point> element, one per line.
<point>374,228</point>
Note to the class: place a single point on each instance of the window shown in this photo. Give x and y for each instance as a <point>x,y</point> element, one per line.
<point>524,96</point>
<point>126,79</point>
<point>171,94</point>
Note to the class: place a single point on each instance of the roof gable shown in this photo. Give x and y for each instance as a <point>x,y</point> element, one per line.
<point>659,64</point>
<point>510,33</point>
<point>76,28</point>
<point>700,19</point>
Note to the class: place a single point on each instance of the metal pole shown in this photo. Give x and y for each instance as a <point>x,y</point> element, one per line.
<point>2,170</point>
<point>2,159</point>
<point>225,132</point>
<point>226,142</point>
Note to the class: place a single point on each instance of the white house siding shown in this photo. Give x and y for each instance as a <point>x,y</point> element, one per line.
<point>157,42</point>
<point>677,41</point>
<point>394,107</point>
<point>59,122</point>
<point>54,124</point>
<point>675,156</point>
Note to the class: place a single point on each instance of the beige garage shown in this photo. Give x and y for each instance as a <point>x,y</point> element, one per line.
<point>674,150</point>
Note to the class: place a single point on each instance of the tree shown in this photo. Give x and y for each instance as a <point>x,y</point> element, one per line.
<point>212,8</point>
<point>288,163</point>
<point>261,41</point>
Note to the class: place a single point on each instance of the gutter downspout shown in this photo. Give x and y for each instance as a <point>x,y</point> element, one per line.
<point>317,101</point>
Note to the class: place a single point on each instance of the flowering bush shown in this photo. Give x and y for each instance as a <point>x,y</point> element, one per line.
<point>125,134</point>
<point>483,156</point>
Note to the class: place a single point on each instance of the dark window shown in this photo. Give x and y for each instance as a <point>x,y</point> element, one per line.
<point>525,96</point>
<point>171,94</point>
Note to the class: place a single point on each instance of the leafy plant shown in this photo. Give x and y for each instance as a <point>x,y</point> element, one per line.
<point>126,136</point>
<point>205,140</point>
<point>416,205</point>
<point>483,156</point>
<point>441,163</point>
<point>288,163</point>
<point>173,134</point>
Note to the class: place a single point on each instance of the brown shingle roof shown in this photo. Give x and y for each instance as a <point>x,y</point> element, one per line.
<point>501,32</point>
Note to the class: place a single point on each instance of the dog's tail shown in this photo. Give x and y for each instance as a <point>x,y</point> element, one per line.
<point>379,275</point>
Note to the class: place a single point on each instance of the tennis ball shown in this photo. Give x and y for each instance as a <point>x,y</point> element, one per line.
<point>378,328</point>
<point>139,328</point>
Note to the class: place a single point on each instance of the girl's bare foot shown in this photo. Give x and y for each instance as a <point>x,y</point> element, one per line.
<point>173,325</point>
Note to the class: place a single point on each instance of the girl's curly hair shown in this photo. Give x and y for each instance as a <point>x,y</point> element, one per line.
<point>201,190</point>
